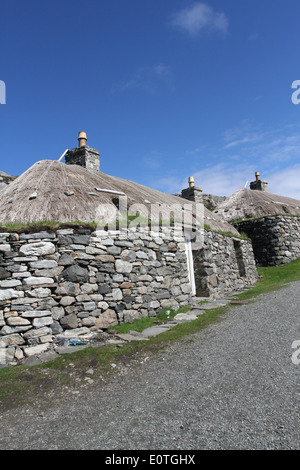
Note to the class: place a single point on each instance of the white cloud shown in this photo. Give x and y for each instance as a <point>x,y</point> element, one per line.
<point>149,78</point>
<point>199,17</point>
<point>224,180</point>
<point>231,163</point>
<point>286,182</point>
<point>219,179</point>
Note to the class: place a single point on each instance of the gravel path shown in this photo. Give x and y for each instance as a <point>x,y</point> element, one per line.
<point>230,386</point>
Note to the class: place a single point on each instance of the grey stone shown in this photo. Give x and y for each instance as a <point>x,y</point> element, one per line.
<point>36,333</point>
<point>81,239</point>
<point>92,250</point>
<point>40,292</point>
<point>3,273</point>
<point>129,255</point>
<point>107,319</point>
<point>156,330</point>
<point>76,273</point>
<point>66,260</point>
<point>117,294</point>
<point>17,321</point>
<point>8,330</point>
<point>89,321</point>
<point>38,235</point>
<point>185,317</point>
<point>11,340</point>
<point>36,313</point>
<point>88,288</point>
<point>103,305</point>
<point>130,315</point>
<point>43,264</point>
<point>104,289</point>
<point>5,247</point>
<point>6,355</point>
<point>8,294</point>
<point>10,283</point>
<point>69,321</point>
<point>37,281</point>
<point>38,249</point>
<point>107,242</point>
<point>57,313</point>
<point>74,332</point>
<point>142,255</point>
<point>68,288</point>
<point>34,350</point>
<point>56,328</point>
<point>89,306</point>
<point>67,300</point>
<point>123,266</point>
<point>43,321</point>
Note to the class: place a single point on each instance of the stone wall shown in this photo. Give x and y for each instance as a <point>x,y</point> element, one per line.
<point>75,281</point>
<point>275,239</point>
<point>223,264</point>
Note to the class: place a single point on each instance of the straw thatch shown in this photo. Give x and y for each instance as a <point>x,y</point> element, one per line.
<point>248,204</point>
<point>53,191</point>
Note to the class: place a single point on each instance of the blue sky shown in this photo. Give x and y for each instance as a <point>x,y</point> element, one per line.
<point>165,89</point>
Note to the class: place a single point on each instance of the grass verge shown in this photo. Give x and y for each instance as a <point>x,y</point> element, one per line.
<point>273,278</point>
<point>23,385</point>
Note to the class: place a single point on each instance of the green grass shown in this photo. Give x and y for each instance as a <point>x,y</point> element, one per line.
<point>241,236</point>
<point>238,221</point>
<point>273,278</point>
<point>143,323</point>
<point>57,378</point>
<point>49,225</point>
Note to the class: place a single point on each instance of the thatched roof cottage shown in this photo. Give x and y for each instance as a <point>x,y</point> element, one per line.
<point>95,250</point>
<point>271,221</point>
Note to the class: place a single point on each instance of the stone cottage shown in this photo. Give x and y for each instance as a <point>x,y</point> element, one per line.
<point>271,221</point>
<point>95,250</point>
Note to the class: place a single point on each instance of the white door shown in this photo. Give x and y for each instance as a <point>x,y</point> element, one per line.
<point>190,264</point>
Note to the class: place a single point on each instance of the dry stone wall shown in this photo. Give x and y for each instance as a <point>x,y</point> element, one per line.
<point>275,239</point>
<point>223,264</point>
<point>76,282</point>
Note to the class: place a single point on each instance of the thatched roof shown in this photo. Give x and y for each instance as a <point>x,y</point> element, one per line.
<point>247,204</point>
<point>5,179</point>
<point>53,191</point>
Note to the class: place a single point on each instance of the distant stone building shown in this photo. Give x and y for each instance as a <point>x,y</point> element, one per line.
<point>5,179</point>
<point>271,221</point>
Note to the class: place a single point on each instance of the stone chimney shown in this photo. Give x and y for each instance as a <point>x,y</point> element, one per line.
<point>192,193</point>
<point>258,184</point>
<point>83,155</point>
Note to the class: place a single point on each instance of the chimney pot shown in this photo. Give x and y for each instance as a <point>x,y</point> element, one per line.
<point>82,138</point>
<point>257,176</point>
<point>191,181</point>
